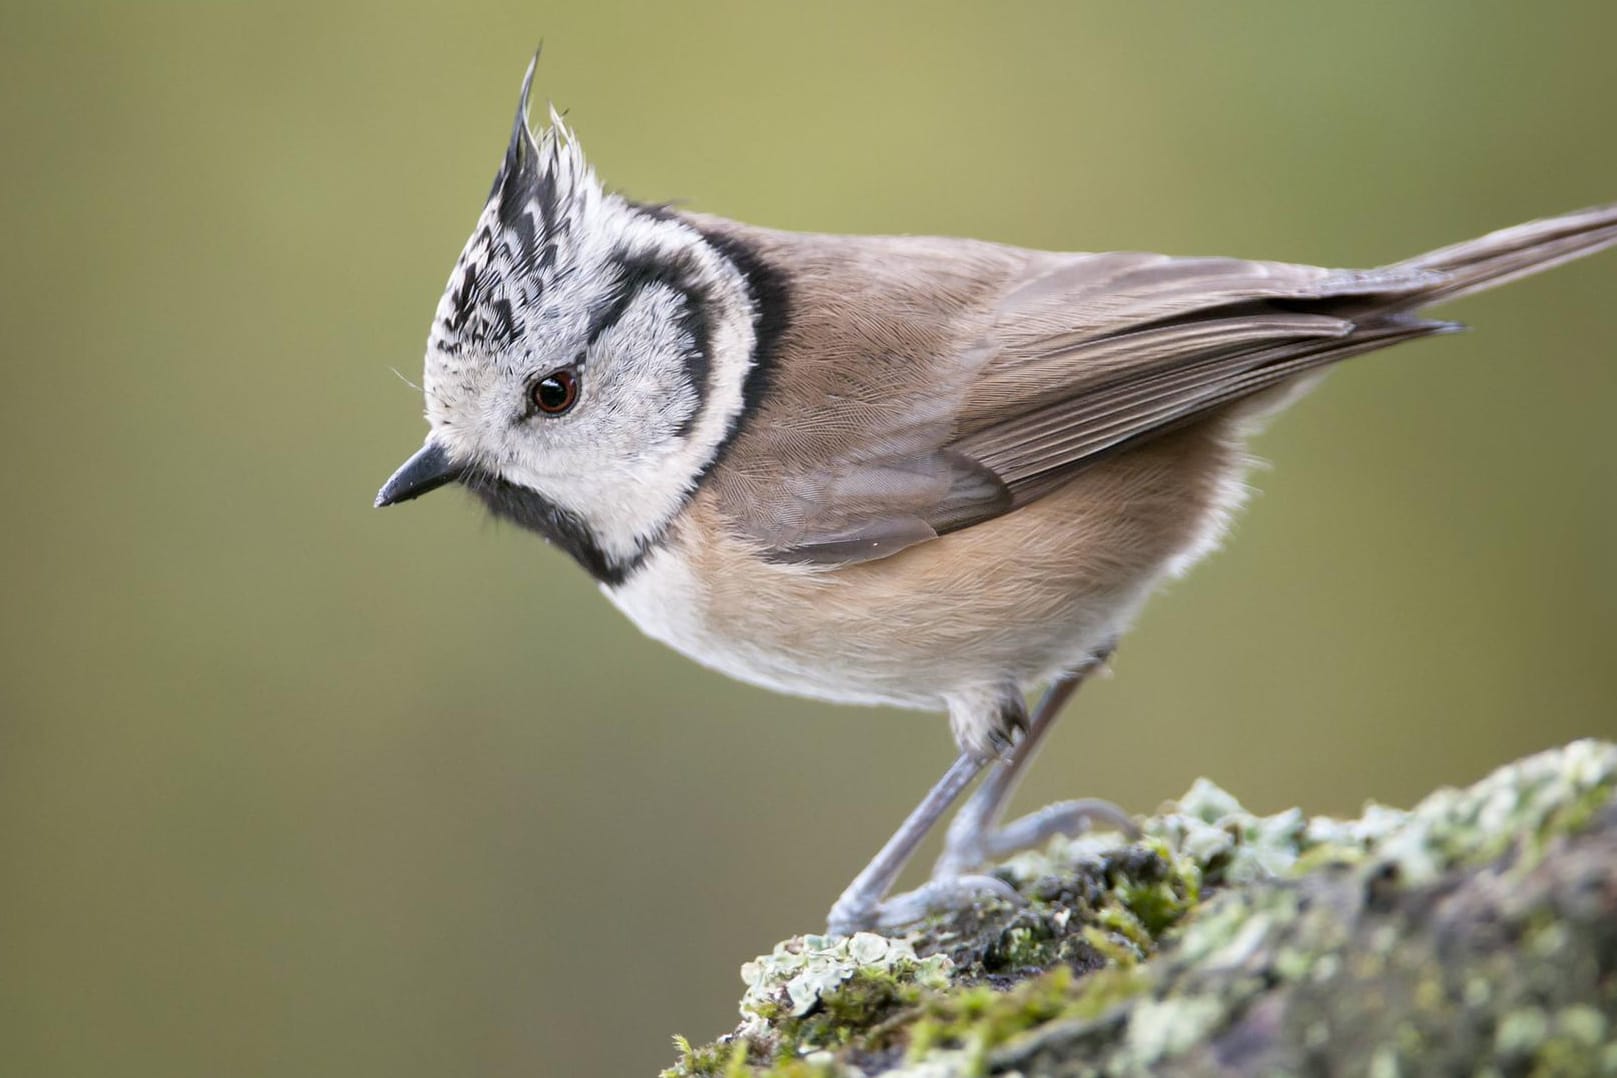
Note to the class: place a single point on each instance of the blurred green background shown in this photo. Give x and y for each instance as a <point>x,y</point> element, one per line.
<point>292,787</point>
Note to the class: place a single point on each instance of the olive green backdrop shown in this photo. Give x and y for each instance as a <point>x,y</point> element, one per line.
<point>293,787</point>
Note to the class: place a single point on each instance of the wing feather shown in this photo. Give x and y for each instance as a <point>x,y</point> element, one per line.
<point>1030,450</point>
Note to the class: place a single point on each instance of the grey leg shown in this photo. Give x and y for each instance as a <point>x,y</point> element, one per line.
<point>861,906</point>
<point>973,838</point>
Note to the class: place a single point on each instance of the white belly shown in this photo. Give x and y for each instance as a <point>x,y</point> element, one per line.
<point>758,642</point>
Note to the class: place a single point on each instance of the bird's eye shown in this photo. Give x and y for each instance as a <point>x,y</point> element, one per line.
<point>556,392</point>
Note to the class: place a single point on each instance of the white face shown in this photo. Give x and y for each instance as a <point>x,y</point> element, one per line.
<point>588,355</point>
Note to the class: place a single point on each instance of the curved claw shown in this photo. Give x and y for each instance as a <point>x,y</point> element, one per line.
<point>912,907</point>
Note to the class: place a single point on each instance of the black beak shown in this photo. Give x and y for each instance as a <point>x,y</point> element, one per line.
<point>428,470</point>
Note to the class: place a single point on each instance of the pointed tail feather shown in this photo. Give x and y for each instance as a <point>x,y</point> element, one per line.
<point>1515,252</point>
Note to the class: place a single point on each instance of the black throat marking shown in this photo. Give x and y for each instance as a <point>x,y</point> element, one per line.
<point>527,508</point>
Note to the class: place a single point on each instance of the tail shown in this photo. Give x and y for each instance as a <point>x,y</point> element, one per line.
<point>1510,253</point>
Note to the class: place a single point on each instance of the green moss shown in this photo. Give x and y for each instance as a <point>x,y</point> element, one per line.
<point>718,1060</point>
<point>1106,989</point>
<point>1576,815</point>
<point>981,1017</point>
<point>1029,946</point>
<point>1157,907</point>
<point>855,1010</point>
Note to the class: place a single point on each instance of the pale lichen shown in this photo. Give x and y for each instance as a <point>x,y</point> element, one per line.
<point>797,975</point>
<point>1476,932</point>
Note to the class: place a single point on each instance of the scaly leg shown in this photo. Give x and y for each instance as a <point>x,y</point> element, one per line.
<point>984,724</point>
<point>974,839</point>
<point>861,907</point>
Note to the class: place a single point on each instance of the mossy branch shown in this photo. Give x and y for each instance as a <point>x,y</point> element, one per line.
<point>1476,933</point>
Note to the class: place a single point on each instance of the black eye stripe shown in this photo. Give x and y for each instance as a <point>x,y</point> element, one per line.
<point>635,276</point>
<point>693,325</point>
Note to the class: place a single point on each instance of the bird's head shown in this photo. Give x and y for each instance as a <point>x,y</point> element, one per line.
<point>587,360</point>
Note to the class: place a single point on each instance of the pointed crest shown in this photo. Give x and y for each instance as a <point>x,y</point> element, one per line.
<point>521,147</point>
<point>538,222</point>
<point>541,178</point>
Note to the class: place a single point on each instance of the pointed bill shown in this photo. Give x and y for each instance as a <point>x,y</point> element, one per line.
<point>428,470</point>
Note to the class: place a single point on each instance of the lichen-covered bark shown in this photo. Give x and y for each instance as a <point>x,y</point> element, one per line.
<point>1474,934</point>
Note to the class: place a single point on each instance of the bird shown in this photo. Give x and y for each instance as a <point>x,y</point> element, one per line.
<point>929,473</point>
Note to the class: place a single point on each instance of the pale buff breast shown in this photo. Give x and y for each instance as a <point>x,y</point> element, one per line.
<point>1015,599</point>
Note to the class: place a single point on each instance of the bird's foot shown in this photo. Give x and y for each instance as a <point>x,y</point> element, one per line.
<point>862,913</point>
<point>967,850</point>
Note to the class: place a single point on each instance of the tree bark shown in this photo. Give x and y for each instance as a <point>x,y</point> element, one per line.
<point>1474,934</point>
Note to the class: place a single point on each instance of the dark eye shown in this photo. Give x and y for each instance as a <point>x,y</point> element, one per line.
<point>556,392</point>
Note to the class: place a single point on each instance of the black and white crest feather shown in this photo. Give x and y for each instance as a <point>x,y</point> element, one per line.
<point>539,209</point>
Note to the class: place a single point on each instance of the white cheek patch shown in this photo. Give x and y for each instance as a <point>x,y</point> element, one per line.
<point>655,405</point>
<point>645,362</point>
